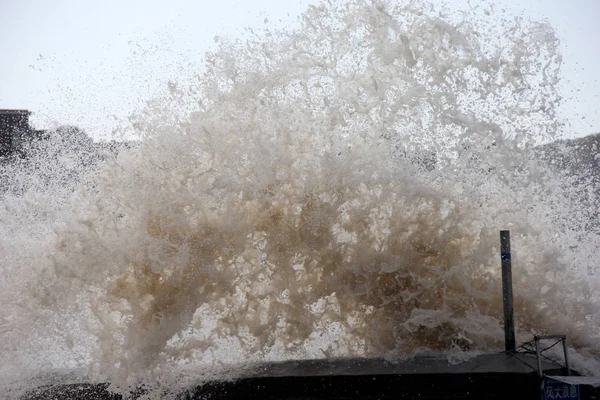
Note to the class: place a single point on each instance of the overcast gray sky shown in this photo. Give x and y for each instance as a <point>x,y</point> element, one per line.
<point>91,63</point>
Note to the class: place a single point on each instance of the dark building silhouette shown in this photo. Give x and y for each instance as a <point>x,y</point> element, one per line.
<point>15,133</point>
<point>17,136</point>
<point>60,156</point>
<point>14,124</point>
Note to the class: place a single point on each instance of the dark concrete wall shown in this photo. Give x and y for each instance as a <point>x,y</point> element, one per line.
<point>337,387</point>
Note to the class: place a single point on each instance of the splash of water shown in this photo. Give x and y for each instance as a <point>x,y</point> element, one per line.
<point>337,191</point>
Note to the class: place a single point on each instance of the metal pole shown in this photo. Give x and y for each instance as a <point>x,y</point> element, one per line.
<point>507,295</point>
<point>538,355</point>
<point>564,343</point>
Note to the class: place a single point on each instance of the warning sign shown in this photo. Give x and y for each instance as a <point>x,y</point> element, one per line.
<point>555,390</point>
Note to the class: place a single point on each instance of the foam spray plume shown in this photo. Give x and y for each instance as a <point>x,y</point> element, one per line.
<point>337,191</point>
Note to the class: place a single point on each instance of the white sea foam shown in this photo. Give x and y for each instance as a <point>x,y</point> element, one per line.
<point>337,191</point>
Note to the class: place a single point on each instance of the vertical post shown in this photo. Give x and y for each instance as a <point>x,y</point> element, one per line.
<point>538,355</point>
<point>507,295</point>
<point>564,343</point>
